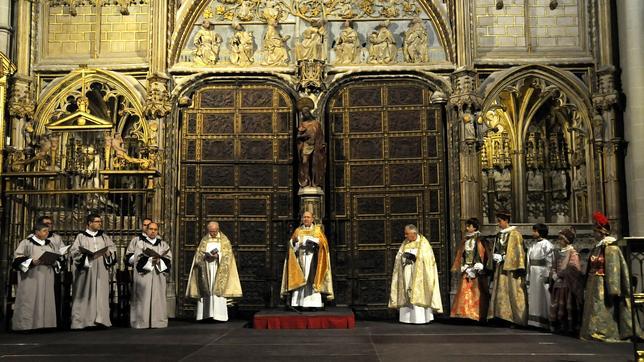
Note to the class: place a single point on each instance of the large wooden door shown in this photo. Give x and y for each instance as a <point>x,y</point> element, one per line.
<point>236,168</point>
<point>387,170</point>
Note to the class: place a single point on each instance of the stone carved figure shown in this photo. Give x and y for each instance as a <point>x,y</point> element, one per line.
<point>382,45</point>
<point>311,147</point>
<point>416,42</point>
<point>241,46</point>
<point>115,143</point>
<point>347,47</point>
<point>312,44</point>
<point>207,45</point>
<point>274,46</point>
<point>535,180</point>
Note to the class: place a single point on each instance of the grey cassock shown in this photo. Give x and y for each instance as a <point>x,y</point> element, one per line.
<point>91,288</point>
<point>148,304</point>
<point>35,305</point>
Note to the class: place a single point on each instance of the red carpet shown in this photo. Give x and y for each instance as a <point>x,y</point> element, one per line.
<point>331,318</point>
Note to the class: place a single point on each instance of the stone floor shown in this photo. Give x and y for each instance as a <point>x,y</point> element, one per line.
<point>369,341</point>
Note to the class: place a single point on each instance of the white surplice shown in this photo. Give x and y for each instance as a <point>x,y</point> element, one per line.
<point>306,296</point>
<point>212,307</point>
<point>413,314</point>
<point>539,258</point>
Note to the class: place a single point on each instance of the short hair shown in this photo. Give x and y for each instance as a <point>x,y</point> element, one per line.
<point>474,222</point>
<point>39,226</point>
<point>41,219</point>
<point>411,227</point>
<point>503,215</point>
<point>310,212</point>
<point>212,223</point>
<point>541,229</point>
<point>153,223</point>
<point>91,217</point>
<point>146,218</point>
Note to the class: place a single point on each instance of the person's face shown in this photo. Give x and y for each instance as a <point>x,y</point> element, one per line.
<point>307,219</point>
<point>213,230</point>
<point>42,233</point>
<point>598,235</point>
<point>95,224</point>
<point>562,241</point>
<point>152,230</point>
<point>503,224</point>
<point>146,223</point>
<point>535,234</point>
<point>410,234</point>
<point>470,228</point>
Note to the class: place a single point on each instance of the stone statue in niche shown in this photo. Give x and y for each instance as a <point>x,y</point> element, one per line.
<point>311,147</point>
<point>559,181</point>
<point>274,46</point>
<point>535,181</point>
<point>312,45</point>
<point>579,185</point>
<point>241,46</point>
<point>416,42</point>
<point>347,47</point>
<point>382,45</point>
<point>207,45</point>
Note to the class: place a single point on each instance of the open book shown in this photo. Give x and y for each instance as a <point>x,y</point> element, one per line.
<point>93,254</point>
<point>49,257</point>
<point>153,254</point>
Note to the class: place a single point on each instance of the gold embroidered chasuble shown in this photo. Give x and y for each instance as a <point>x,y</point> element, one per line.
<point>424,289</point>
<point>293,274</point>
<point>508,299</point>
<point>227,278</point>
<point>607,302</point>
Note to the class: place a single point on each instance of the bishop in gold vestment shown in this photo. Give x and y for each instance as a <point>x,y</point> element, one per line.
<point>414,283</point>
<point>213,276</point>
<point>307,268</point>
<point>508,299</point>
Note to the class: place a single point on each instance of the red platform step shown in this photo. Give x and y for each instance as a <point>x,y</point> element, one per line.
<point>330,318</point>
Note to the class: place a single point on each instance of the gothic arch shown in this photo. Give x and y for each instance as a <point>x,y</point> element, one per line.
<point>53,98</point>
<point>537,158</point>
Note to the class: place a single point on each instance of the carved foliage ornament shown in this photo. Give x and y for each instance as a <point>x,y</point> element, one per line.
<point>73,5</point>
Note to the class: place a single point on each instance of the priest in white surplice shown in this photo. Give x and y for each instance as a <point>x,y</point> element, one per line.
<point>414,283</point>
<point>93,254</point>
<point>151,258</point>
<point>307,268</point>
<point>35,305</point>
<point>213,276</point>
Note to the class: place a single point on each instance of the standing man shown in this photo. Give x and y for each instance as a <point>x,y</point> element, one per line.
<point>539,260</point>
<point>213,275</point>
<point>151,258</point>
<point>414,284</point>
<point>307,268</point>
<point>94,254</point>
<point>508,299</point>
<point>35,305</point>
<point>62,278</point>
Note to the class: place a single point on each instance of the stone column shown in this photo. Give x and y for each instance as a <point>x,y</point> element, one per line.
<point>630,16</point>
<point>610,145</point>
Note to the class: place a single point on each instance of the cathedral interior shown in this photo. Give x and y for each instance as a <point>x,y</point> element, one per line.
<point>433,111</point>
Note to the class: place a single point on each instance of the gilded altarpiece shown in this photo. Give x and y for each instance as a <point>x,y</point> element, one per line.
<point>387,170</point>
<point>236,167</point>
<point>535,155</point>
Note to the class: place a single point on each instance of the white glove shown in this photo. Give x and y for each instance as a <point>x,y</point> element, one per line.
<point>463,268</point>
<point>497,258</point>
<point>471,273</point>
<point>478,267</point>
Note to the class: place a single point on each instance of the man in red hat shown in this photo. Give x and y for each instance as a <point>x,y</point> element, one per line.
<point>607,305</point>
